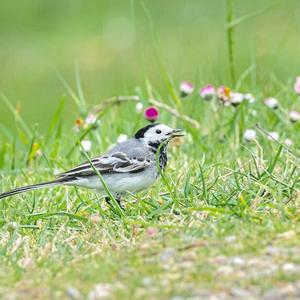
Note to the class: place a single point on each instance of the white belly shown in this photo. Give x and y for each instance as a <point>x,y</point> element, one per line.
<point>119,183</point>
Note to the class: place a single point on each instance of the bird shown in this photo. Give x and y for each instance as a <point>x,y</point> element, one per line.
<point>130,166</point>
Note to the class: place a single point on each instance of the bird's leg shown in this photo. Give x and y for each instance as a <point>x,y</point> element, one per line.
<point>118,199</point>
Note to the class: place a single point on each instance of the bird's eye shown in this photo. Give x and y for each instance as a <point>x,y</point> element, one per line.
<point>158,131</point>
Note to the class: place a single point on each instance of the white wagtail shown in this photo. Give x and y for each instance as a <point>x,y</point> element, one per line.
<point>130,166</point>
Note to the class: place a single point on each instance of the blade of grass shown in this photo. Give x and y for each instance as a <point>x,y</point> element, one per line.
<point>237,21</point>
<point>230,40</point>
<point>16,114</point>
<point>79,88</point>
<point>71,93</point>
<point>55,119</point>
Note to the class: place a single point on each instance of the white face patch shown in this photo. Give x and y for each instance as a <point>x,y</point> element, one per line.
<point>158,133</point>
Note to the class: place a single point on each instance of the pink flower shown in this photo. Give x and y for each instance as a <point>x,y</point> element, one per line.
<point>207,92</point>
<point>151,113</point>
<point>297,85</point>
<point>186,88</point>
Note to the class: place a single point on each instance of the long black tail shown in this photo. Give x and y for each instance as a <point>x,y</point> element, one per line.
<point>30,188</point>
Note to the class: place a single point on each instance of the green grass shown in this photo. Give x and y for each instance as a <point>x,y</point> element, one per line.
<point>222,199</point>
<point>224,219</point>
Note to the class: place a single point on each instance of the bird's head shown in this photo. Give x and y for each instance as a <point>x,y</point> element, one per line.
<point>157,134</point>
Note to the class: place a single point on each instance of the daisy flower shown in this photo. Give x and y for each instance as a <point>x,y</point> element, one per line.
<point>288,142</point>
<point>86,145</point>
<point>236,98</point>
<point>271,102</point>
<point>273,135</point>
<point>249,135</point>
<point>139,107</point>
<point>294,116</point>
<point>90,119</point>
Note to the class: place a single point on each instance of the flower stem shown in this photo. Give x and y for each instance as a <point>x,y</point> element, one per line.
<point>230,39</point>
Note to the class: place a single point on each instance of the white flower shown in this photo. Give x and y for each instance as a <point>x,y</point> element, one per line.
<point>249,97</point>
<point>86,145</point>
<point>271,102</point>
<point>249,135</point>
<point>236,98</point>
<point>139,107</point>
<point>273,135</point>
<point>90,119</point>
<point>294,116</point>
<point>122,138</point>
<point>288,142</point>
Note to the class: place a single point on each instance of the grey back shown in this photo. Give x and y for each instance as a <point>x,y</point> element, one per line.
<point>133,148</point>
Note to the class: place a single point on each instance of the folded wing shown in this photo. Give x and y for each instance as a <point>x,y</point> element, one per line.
<point>117,162</point>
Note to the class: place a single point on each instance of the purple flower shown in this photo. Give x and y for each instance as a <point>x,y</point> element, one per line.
<point>186,88</point>
<point>151,113</point>
<point>207,92</point>
<point>297,85</point>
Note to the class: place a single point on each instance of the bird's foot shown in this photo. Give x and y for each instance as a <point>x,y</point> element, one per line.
<point>118,199</point>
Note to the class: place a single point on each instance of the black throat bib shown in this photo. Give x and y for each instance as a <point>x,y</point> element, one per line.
<point>162,155</point>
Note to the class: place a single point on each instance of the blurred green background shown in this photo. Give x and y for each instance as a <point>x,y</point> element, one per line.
<point>119,44</point>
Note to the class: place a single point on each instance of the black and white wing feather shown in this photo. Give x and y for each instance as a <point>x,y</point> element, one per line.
<point>117,162</point>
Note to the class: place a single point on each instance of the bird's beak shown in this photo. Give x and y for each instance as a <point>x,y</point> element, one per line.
<point>178,132</point>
